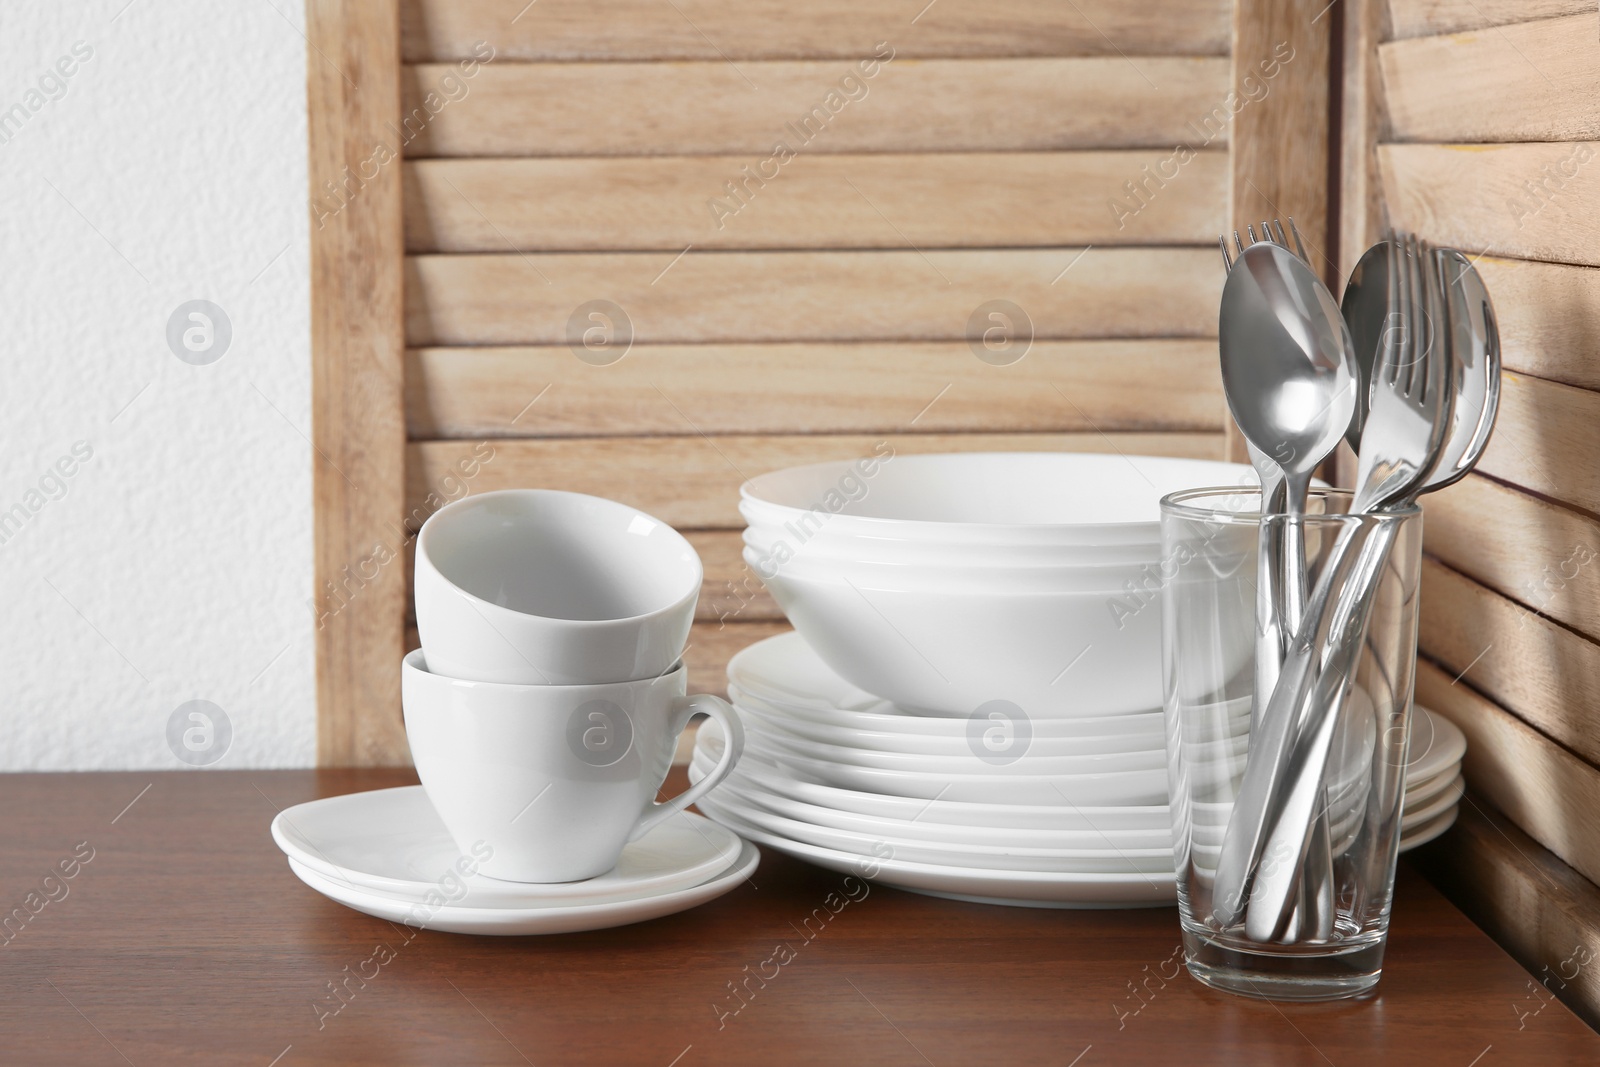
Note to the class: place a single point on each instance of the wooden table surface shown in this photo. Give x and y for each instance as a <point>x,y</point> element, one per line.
<point>184,938</point>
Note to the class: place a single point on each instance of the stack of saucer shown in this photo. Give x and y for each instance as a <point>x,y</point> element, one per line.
<point>1433,778</point>
<point>1049,813</point>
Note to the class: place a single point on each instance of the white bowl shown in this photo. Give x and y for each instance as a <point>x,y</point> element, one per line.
<point>994,498</point>
<point>1051,654</point>
<point>1143,581</point>
<point>785,672</point>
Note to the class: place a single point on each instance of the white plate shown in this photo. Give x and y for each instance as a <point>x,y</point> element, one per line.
<point>1444,800</point>
<point>1000,816</point>
<point>930,831</point>
<point>1018,888</point>
<point>391,841</point>
<point>986,856</point>
<point>817,728</point>
<point>565,919</point>
<point>1431,829</point>
<point>1436,744</point>
<point>1119,788</point>
<point>1027,761</point>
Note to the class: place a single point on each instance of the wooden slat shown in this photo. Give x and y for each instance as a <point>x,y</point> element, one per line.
<point>1361,127</point>
<point>1280,78</point>
<point>936,105</point>
<point>712,645</point>
<point>1547,439</point>
<point>1534,81</point>
<point>1537,783</point>
<point>732,591</point>
<point>1519,546</point>
<point>693,482</point>
<point>977,199</point>
<point>358,427</point>
<point>1419,18</point>
<point>812,296</point>
<point>811,388</point>
<point>1527,200</point>
<point>1540,910</point>
<point>1549,318</point>
<point>1547,674</point>
<point>822,29</point>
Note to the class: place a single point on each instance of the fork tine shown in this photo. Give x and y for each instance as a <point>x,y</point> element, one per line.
<point>1222,242</point>
<point>1251,230</point>
<point>1281,239</point>
<point>1237,243</point>
<point>1299,245</point>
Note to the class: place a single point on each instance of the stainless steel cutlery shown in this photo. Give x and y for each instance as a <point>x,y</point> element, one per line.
<point>1408,370</point>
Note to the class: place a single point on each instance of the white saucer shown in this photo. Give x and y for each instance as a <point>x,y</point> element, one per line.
<point>391,842</point>
<point>1412,818</point>
<point>1033,889</point>
<point>1430,829</point>
<point>1436,744</point>
<point>561,919</point>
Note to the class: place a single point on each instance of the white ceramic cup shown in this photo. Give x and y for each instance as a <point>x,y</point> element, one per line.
<point>554,779</point>
<point>542,587</point>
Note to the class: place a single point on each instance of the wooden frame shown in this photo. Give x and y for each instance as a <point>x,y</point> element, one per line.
<point>357,392</point>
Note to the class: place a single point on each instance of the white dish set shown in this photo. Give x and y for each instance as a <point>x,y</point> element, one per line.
<point>562,619</point>
<point>1012,600</point>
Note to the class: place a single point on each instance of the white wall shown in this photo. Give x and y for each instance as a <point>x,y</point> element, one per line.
<point>176,564</point>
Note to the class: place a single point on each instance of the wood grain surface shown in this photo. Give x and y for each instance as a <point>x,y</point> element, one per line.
<point>357,400</point>
<point>1544,556</point>
<point>832,29</point>
<point>1532,81</point>
<point>941,200</point>
<point>692,482</point>
<point>1549,675</point>
<point>725,297</point>
<point>1419,18</point>
<point>186,940</point>
<point>1529,200</point>
<point>715,107</point>
<point>814,388</point>
<point>1538,784</point>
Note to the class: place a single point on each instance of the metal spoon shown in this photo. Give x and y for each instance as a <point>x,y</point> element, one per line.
<point>1366,310</point>
<point>1290,378</point>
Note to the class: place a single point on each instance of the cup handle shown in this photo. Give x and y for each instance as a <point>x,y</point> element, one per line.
<point>683,709</point>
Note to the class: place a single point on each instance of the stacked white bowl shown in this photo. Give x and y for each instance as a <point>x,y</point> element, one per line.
<point>972,705</point>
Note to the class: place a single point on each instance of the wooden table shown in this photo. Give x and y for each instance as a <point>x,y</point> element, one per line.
<point>185,939</point>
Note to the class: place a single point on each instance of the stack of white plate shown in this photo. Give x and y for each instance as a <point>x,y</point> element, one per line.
<point>833,775</point>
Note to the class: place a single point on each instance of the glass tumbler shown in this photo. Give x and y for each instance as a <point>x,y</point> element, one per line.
<point>1213,716</point>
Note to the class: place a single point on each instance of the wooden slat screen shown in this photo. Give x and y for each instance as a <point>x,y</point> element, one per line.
<point>1476,126</point>
<point>800,212</point>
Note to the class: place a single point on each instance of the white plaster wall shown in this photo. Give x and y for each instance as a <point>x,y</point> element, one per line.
<point>177,563</point>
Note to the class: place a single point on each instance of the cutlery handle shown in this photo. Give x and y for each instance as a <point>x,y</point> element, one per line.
<point>1272,740</point>
<point>1271,640</point>
<point>1306,762</point>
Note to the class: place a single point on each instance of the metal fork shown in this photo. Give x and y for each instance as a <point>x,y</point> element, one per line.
<point>1408,424</point>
